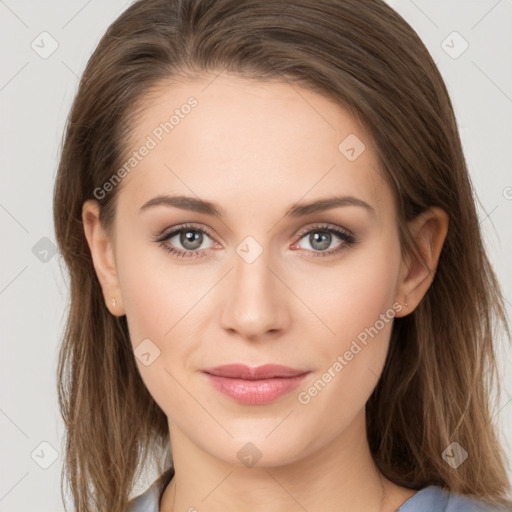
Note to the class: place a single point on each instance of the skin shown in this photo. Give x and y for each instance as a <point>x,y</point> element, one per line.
<point>256,148</point>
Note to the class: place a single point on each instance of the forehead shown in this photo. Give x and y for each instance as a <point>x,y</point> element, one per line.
<point>244,141</point>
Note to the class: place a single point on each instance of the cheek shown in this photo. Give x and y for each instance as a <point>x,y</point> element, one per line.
<point>152,309</point>
<point>369,292</point>
<point>361,315</point>
<point>351,297</point>
<point>160,302</point>
<point>154,295</point>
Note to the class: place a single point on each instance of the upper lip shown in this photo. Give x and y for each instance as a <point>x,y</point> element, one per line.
<point>266,371</point>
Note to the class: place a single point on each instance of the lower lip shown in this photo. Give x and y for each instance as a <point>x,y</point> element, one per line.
<point>255,392</point>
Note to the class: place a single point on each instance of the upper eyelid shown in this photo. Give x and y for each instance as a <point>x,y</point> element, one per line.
<point>327,226</point>
<point>168,232</point>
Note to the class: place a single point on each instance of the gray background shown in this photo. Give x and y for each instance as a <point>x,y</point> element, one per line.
<point>36,90</point>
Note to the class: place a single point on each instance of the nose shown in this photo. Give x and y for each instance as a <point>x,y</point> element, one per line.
<point>256,307</point>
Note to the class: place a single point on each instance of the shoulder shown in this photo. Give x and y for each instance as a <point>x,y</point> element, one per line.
<point>149,500</point>
<point>436,498</point>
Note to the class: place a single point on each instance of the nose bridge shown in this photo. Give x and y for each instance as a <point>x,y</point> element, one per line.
<point>255,302</point>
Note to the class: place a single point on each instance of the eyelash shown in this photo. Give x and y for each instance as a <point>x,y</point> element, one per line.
<point>346,237</point>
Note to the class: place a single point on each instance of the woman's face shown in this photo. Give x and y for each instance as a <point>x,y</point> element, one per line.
<point>257,285</point>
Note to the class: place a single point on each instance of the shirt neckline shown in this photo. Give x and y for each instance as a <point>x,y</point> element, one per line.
<point>165,478</point>
<point>429,492</point>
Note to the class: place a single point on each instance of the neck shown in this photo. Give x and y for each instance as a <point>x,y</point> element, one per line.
<point>340,476</point>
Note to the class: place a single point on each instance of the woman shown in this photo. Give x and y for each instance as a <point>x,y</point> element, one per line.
<point>277,274</point>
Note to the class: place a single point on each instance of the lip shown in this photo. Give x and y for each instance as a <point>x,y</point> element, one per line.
<point>254,386</point>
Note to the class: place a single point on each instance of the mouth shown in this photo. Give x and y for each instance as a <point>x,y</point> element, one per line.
<point>255,386</point>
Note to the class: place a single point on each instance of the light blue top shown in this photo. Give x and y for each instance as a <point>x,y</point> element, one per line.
<point>428,499</point>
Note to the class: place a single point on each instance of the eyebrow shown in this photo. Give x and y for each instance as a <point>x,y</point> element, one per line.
<point>296,210</point>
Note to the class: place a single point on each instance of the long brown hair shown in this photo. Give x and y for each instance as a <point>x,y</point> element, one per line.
<point>441,364</point>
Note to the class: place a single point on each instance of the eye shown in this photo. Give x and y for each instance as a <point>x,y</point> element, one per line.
<point>189,237</point>
<point>321,237</point>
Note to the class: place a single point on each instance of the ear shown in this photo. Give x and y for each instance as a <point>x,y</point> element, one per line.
<point>429,229</point>
<point>102,252</point>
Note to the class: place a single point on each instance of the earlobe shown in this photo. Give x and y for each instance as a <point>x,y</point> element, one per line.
<point>429,230</point>
<point>102,253</point>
